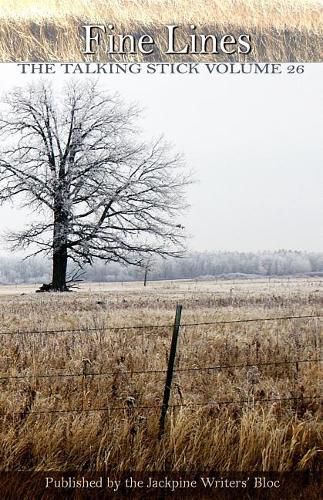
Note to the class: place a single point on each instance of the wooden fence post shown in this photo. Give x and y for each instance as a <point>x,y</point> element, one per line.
<point>170,370</point>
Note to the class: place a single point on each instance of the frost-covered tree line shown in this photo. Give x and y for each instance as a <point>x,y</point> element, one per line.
<point>201,265</point>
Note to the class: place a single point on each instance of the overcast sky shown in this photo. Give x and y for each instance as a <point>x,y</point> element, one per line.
<point>255,143</point>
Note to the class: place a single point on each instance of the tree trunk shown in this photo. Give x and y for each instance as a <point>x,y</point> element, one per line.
<point>60,247</point>
<point>59,269</point>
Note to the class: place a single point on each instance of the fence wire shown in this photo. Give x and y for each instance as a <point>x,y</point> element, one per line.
<point>82,330</point>
<point>150,372</point>
<point>130,408</point>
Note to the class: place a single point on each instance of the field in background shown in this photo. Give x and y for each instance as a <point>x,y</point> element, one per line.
<point>282,30</point>
<point>259,411</point>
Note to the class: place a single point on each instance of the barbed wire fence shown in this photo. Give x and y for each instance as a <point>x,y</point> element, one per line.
<point>169,372</point>
<point>82,330</point>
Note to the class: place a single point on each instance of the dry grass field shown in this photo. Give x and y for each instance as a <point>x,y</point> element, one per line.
<point>281,30</point>
<point>258,416</point>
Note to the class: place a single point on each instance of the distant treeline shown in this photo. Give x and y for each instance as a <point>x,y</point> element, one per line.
<point>203,265</point>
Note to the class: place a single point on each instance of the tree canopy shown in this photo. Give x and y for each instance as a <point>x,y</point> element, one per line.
<point>75,158</point>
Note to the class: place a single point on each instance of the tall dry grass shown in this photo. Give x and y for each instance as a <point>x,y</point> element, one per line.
<point>282,30</point>
<point>205,434</point>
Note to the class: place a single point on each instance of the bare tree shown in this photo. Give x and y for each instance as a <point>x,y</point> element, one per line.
<point>99,193</point>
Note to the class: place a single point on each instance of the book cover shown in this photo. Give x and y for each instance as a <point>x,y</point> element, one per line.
<point>161,253</point>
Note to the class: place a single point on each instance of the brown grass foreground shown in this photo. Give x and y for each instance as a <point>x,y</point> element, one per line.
<point>281,30</point>
<point>254,433</point>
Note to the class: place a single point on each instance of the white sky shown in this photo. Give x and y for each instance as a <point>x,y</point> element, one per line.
<point>255,143</point>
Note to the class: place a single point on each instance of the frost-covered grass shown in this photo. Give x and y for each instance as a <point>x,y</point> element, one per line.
<point>281,30</point>
<point>268,435</point>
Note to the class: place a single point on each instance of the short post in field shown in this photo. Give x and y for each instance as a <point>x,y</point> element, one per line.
<point>170,370</point>
<point>146,275</point>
